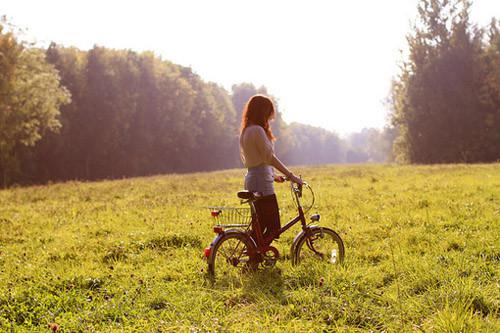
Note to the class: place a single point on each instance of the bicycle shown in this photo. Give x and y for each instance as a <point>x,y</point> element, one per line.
<point>235,250</point>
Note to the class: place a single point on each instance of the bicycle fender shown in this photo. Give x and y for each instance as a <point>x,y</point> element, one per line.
<point>250,239</point>
<point>232,231</point>
<point>300,235</point>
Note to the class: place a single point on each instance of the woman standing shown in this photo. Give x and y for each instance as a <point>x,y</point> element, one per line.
<point>257,154</point>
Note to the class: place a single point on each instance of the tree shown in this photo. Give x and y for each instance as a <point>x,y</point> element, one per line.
<point>30,99</point>
<point>58,154</point>
<point>489,96</point>
<point>314,145</point>
<point>443,107</point>
<point>10,52</point>
<point>370,145</point>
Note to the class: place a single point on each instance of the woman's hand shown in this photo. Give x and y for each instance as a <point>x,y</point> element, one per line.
<point>275,162</point>
<point>295,179</point>
<point>279,179</point>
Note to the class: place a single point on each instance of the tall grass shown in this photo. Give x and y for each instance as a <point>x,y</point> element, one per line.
<point>422,254</point>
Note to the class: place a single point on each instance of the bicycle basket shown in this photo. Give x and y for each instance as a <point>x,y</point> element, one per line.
<point>231,217</point>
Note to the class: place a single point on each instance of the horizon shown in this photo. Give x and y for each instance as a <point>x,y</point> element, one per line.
<point>325,68</point>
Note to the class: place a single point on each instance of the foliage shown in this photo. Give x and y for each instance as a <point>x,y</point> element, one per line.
<point>314,145</point>
<point>371,145</point>
<point>446,102</point>
<point>422,254</point>
<point>136,114</point>
<point>30,97</point>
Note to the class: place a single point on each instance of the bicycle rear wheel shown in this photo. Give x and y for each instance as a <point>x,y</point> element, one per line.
<point>231,255</point>
<point>319,243</point>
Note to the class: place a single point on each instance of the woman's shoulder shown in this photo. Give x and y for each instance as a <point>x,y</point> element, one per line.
<point>255,129</point>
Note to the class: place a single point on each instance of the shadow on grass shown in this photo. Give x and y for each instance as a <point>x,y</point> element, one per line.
<point>262,283</point>
<point>266,282</point>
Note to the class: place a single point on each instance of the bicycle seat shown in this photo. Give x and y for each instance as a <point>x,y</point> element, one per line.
<point>249,195</point>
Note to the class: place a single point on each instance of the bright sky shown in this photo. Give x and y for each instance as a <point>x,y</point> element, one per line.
<point>329,63</point>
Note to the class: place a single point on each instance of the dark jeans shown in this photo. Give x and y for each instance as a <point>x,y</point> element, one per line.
<point>268,215</point>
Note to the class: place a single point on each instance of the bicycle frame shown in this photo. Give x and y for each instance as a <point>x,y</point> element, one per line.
<point>264,244</point>
<point>257,249</point>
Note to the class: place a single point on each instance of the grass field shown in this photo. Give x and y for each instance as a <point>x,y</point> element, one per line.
<point>422,254</point>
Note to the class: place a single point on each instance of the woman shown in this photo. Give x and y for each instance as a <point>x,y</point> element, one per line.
<point>257,154</point>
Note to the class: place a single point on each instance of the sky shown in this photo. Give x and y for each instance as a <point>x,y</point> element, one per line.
<point>329,63</point>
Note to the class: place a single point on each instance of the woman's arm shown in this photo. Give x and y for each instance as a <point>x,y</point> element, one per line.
<point>275,162</point>
<point>266,150</point>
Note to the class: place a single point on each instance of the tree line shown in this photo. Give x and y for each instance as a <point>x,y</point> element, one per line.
<point>67,113</point>
<point>104,113</point>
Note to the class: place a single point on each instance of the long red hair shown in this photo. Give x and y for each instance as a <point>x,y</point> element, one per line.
<point>258,111</point>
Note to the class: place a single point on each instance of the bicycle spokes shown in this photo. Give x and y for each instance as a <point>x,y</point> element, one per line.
<point>310,244</point>
<point>233,252</point>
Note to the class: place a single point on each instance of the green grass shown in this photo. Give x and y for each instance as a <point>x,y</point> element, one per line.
<point>422,254</point>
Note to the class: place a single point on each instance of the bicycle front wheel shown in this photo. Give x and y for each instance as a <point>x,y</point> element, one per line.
<point>231,255</point>
<point>319,243</point>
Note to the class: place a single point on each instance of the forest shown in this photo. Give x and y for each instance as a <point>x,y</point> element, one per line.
<point>67,113</point>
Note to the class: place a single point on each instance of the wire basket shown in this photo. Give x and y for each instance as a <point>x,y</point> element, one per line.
<point>231,217</point>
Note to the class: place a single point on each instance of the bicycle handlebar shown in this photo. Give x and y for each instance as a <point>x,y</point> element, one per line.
<point>297,189</point>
